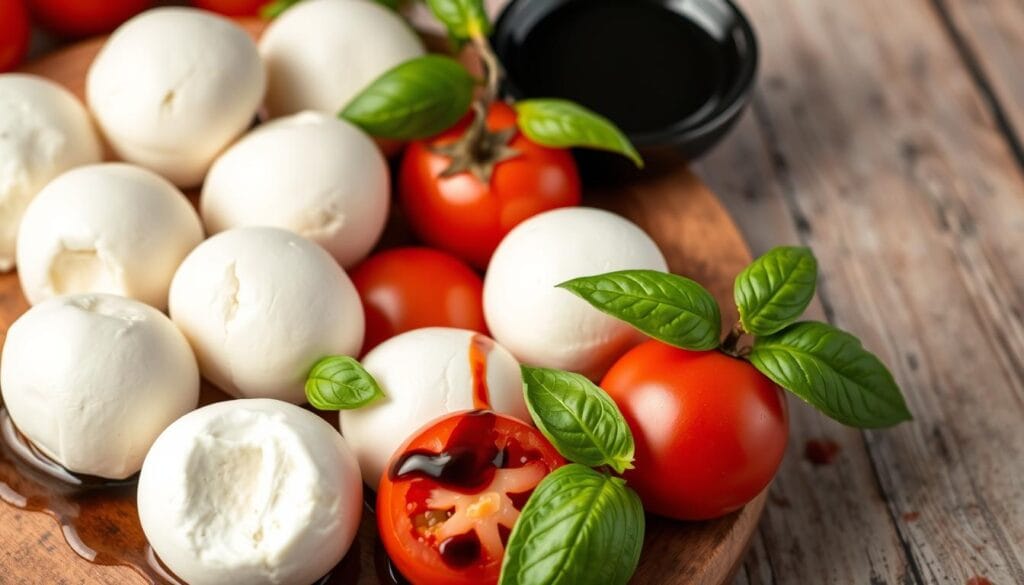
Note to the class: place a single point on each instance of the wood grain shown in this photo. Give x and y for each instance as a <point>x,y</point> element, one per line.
<point>680,213</point>
<point>871,140</point>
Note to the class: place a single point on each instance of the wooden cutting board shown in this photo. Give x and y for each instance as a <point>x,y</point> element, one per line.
<point>699,240</point>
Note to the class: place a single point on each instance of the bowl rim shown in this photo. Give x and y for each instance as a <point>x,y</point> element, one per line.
<point>735,97</point>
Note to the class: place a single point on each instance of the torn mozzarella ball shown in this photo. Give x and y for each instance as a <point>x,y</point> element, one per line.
<point>93,379</point>
<point>108,228</point>
<point>321,53</point>
<point>255,491</point>
<point>547,326</point>
<point>44,131</point>
<point>173,87</point>
<point>260,306</point>
<point>311,173</point>
<point>427,373</point>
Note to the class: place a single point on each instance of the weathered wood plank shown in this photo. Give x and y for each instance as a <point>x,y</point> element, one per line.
<point>869,131</point>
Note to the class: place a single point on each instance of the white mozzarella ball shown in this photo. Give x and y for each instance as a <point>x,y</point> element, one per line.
<point>92,380</point>
<point>260,306</point>
<point>548,326</point>
<point>44,131</point>
<point>173,87</point>
<point>321,53</point>
<point>108,228</point>
<point>425,374</point>
<point>255,491</point>
<point>311,173</point>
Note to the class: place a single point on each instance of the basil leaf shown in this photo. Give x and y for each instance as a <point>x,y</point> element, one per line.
<point>579,418</point>
<point>340,383</point>
<point>416,99</point>
<point>564,124</point>
<point>464,19</point>
<point>579,526</point>
<point>275,8</point>
<point>775,289</point>
<point>667,307</point>
<point>830,370</point>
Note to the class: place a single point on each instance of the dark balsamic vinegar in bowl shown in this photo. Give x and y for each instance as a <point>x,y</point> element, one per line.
<point>673,74</point>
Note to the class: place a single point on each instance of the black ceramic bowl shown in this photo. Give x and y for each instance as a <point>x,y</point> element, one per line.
<point>716,66</point>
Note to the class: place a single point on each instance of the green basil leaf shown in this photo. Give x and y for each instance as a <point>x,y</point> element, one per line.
<point>563,124</point>
<point>831,370</point>
<point>665,306</point>
<point>415,100</point>
<point>464,19</point>
<point>579,418</point>
<point>340,383</point>
<point>275,8</point>
<point>775,289</point>
<point>579,526</point>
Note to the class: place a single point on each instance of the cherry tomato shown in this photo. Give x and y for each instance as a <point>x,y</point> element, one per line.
<point>80,18</point>
<point>710,430</point>
<point>408,288</point>
<point>233,7</point>
<point>453,492</point>
<point>14,33</point>
<point>463,215</point>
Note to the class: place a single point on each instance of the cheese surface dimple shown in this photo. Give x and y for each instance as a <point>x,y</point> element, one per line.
<point>44,131</point>
<point>241,491</point>
<point>92,379</point>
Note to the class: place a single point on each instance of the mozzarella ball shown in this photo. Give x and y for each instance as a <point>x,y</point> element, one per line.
<point>311,173</point>
<point>93,379</point>
<point>173,87</point>
<point>260,306</point>
<point>425,374</point>
<point>547,326</point>
<point>321,53</point>
<point>255,491</point>
<point>107,228</point>
<point>44,131</point>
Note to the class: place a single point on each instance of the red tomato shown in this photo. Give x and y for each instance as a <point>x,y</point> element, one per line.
<point>453,492</point>
<point>710,430</point>
<point>233,7</point>
<point>408,288</point>
<point>468,218</point>
<point>80,18</point>
<point>14,33</point>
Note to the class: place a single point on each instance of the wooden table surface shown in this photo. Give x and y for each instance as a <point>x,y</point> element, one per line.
<point>886,135</point>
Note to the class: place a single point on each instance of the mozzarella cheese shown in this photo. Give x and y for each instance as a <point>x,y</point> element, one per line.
<point>311,173</point>
<point>250,491</point>
<point>172,87</point>
<point>111,228</point>
<point>44,131</point>
<point>321,53</point>
<point>92,380</point>
<point>260,306</point>
<point>547,326</point>
<point>427,373</point>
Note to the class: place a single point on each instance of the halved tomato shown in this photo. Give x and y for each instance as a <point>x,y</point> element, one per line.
<point>453,492</point>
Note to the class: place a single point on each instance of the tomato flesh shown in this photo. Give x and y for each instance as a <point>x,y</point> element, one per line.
<point>710,430</point>
<point>79,18</point>
<point>14,33</point>
<point>467,217</point>
<point>454,491</point>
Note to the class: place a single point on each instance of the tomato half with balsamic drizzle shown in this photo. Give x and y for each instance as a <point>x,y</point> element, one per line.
<point>453,492</point>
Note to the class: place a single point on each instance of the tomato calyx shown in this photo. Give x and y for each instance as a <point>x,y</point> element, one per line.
<point>478,150</point>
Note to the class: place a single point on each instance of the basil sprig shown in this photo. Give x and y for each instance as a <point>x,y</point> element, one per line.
<point>830,370</point>
<point>579,418</point>
<point>824,366</point>
<point>579,526</point>
<point>561,123</point>
<point>464,19</point>
<point>416,99</point>
<point>667,307</point>
<point>776,289</point>
<point>340,383</point>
